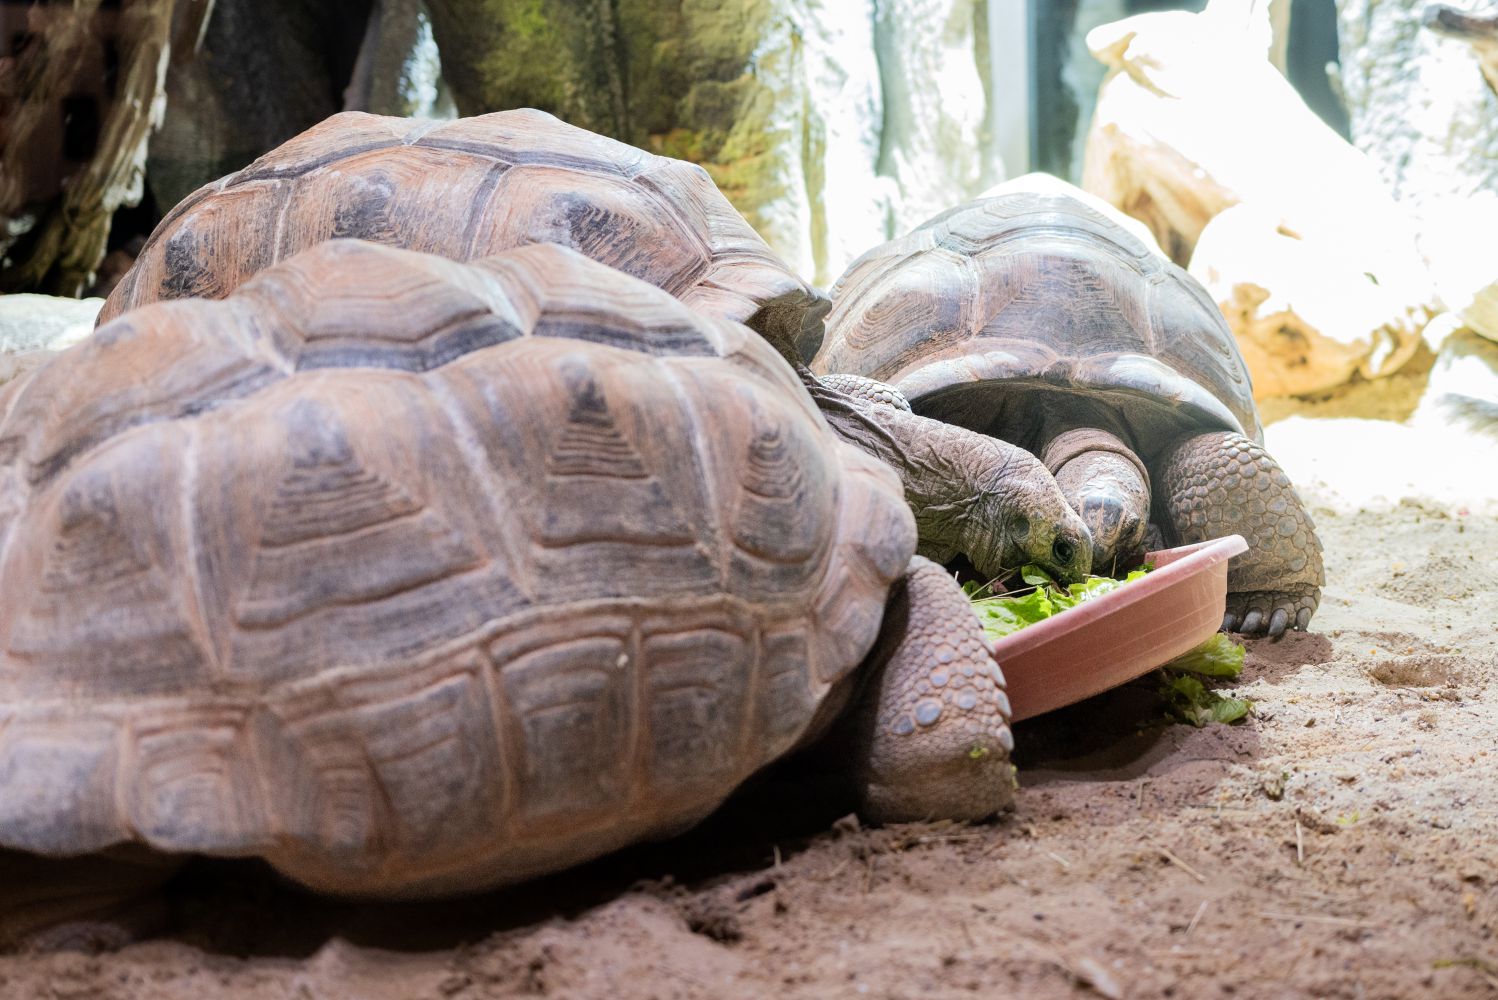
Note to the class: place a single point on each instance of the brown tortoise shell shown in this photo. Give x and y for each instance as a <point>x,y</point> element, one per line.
<point>1037,291</point>
<point>414,576</point>
<point>470,188</point>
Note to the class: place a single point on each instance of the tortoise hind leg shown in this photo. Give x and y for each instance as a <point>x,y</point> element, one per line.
<point>93,903</point>
<point>931,735</point>
<point>1222,483</point>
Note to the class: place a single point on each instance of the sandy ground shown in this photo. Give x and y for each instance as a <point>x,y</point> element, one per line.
<point>1341,843</point>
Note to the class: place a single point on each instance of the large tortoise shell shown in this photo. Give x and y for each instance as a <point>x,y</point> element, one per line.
<point>1038,291</point>
<point>469,188</point>
<point>415,576</point>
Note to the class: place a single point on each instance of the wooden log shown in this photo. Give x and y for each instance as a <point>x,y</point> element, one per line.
<point>1478,30</point>
<point>60,254</point>
<point>1192,120</point>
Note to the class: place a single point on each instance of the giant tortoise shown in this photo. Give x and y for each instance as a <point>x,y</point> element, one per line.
<point>414,577</point>
<point>477,186</point>
<point>1034,318</point>
<point>469,188</point>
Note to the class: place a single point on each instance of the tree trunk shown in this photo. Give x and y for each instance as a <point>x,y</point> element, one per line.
<point>61,253</point>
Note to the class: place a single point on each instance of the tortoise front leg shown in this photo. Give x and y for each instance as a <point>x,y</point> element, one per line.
<point>1222,483</point>
<point>931,735</point>
<point>867,389</point>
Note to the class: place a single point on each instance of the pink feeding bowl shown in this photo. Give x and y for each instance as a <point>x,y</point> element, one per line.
<point>1124,634</point>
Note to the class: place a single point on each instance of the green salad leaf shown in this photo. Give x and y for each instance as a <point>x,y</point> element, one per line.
<point>1006,613</point>
<point>1219,656</point>
<point>1190,701</point>
<point>1186,698</point>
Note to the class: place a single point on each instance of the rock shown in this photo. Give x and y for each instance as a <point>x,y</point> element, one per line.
<point>1413,79</point>
<point>1417,102</point>
<point>1456,237</point>
<point>1461,395</point>
<point>831,127</point>
<point>33,328</point>
<point>1477,29</point>
<point>398,70</point>
<point>1305,319</point>
<point>44,322</point>
<point>1193,119</point>
<point>936,100</point>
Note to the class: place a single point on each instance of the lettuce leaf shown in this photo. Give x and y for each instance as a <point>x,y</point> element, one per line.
<point>1186,698</point>
<point>1190,701</point>
<point>1219,656</point>
<point>1006,613</point>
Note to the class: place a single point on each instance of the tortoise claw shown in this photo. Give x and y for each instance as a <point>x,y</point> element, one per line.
<point>1269,612</point>
<point>1277,622</point>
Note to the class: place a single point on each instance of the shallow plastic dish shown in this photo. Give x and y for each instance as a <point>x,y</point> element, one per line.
<point>1121,635</point>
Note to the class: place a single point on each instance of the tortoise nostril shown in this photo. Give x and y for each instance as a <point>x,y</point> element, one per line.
<point>1063,551</point>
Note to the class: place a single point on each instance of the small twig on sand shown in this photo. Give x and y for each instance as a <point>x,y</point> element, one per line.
<point>947,838</point>
<point>868,881</point>
<point>1065,864</point>
<point>1315,918</point>
<point>1197,919</point>
<point>1482,968</point>
<point>836,871</point>
<point>1170,856</point>
<point>1300,844</point>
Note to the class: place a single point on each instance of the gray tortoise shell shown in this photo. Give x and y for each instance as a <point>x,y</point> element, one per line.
<point>1031,290</point>
<point>414,576</point>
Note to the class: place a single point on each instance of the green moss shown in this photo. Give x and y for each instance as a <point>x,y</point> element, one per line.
<point>530,50</point>
<point>680,77</point>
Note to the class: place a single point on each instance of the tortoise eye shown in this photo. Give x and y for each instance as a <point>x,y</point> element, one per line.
<point>1063,550</point>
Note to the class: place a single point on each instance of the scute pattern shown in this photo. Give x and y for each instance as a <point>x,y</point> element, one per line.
<point>1226,484</point>
<point>468,189</point>
<point>306,574</point>
<point>1036,289</point>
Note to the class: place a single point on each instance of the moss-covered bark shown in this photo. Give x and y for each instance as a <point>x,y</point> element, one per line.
<point>677,77</point>
<point>784,102</point>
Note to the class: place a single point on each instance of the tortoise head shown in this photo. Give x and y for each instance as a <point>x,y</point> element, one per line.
<point>1106,483</point>
<point>1113,501</point>
<point>1022,518</point>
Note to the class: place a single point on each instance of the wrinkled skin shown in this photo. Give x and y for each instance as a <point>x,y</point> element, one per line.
<point>972,495</point>
<point>1111,493</point>
<point>1222,483</point>
<point>928,735</point>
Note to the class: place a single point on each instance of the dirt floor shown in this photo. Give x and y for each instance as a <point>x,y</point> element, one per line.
<point>1341,843</point>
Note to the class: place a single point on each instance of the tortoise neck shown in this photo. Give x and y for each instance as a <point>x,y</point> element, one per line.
<point>944,469</point>
<point>1067,415</point>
